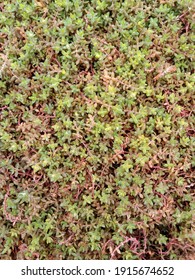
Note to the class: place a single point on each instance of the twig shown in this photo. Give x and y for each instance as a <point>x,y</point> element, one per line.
<point>133,247</point>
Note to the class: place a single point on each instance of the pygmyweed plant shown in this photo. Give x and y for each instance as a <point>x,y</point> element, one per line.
<point>97,129</point>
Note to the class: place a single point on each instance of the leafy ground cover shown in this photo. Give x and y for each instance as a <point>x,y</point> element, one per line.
<point>97,129</point>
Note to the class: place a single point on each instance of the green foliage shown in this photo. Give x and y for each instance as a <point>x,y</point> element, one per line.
<point>97,129</point>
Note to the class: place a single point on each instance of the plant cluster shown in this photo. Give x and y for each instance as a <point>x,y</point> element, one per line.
<point>97,129</point>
